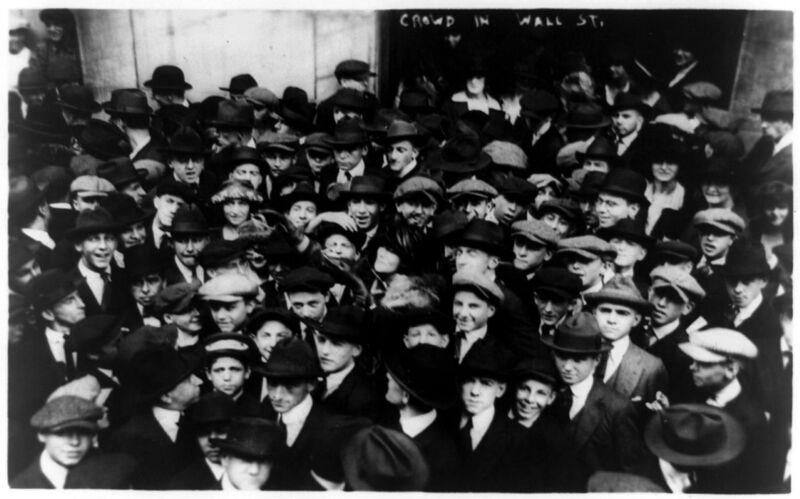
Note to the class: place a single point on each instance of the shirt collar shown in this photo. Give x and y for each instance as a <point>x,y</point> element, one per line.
<point>785,142</point>
<point>407,169</point>
<point>358,169</point>
<point>581,389</point>
<point>139,147</point>
<point>54,472</point>
<point>414,425</point>
<point>54,336</point>
<point>86,271</point>
<point>480,421</point>
<point>619,347</point>
<point>677,481</point>
<point>216,469</point>
<point>298,413</point>
<point>726,395</point>
<point>746,312</point>
<point>476,334</point>
<point>168,420</point>
<point>40,236</point>
<point>666,329</point>
<point>334,380</point>
<point>226,484</point>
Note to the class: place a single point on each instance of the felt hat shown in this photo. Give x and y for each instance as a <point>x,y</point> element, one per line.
<point>31,80</point>
<point>176,298</point>
<point>539,104</point>
<point>486,358</point>
<point>50,287</point>
<point>103,140</point>
<point>233,114</point>
<point>402,130</point>
<point>350,99</point>
<point>23,196</point>
<point>745,261</point>
<point>625,101</point>
<point>156,369</point>
<point>185,141</point>
<point>346,322</point>
<point>142,260</point>
<point>318,141</point>
<point>220,252</point>
<point>620,290</point>
<point>92,333</point>
<point>586,115</point>
<point>189,221</point>
<point>211,409</point>
<point>367,187</point>
<point>578,334</point>
<point>240,83</point>
<point>565,207</point>
<point>307,279</point>
<point>694,435</point>
<point>352,69</point>
<point>629,230</point>
<point>384,460</point>
<point>93,221</point>
<point>43,124</point>
<point>624,183</point>
<point>676,251</point>
<point>167,77</point>
<point>296,110</point>
<point>120,172</point>
<point>461,154</point>
<point>483,235</point>
<point>328,229</point>
<point>777,103</point>
<point>349,132</point>
<point>428,373</point>
<point>127,102</point>
<point>303,191</point>
<point>61,17</point>
<point>78,98</point>
<point>557,281</point>
<point>240,155</point>
<point>600,148</point>
<point>447,226</point>
<point>541,368</point>
<point>291,359</point>
<point>254,439</point>
<point>66,413</point>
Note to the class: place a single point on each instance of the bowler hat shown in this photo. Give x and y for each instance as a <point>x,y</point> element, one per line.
<point>93,332</point>
<point>579,334</point>
<point>67,412</point>
<point>352,69</point>
<point>349,132</point>
<point>384,460</point>
<point>240,83</point>
<point>155,370</point>
<point>540,368</point>
<point>167,77</point>
<point>254,439</point>
<point>104,140</point>
<point>777,103</point>
<point>694,435</point>
<point>402,130</point>
<point>462,154</point>
<point>233,114</point>
<point>23,196</point>
<point>296,110</point>
<point>279,314</point>
<point>291,359</point>
<point>185,141</point>
<point>346,322</point>
<point>120,171</point>
<point>187,221</point>
<point>307,279</point>
<point>483,235</point>
<point>142,260</point>
<point>31,80</point>
<point>620,290</point>
<point>743,261</point>
<point>625,101</point>
<point>486,358</point>
<point>625,183</point>
<point>367,187</point>
<point>241,155</point>
<point>78,98</point>
<point>50,287</point>
<point>428,373</point>
<point>539,104</point>
<point>212,409</point>
<point>586,115</point>
<point>600,148</point>
<point>128,102</point>
<point>629,230</point>
<point>93,221</point>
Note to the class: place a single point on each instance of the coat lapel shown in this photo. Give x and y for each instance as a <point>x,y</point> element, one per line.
<point>628,372</point>
<point>588,418</point>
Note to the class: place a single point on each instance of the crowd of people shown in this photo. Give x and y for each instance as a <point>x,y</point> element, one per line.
<point>581,286</point>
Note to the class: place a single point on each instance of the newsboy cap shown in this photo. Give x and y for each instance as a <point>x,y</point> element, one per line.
<point>471,187</point>
<point>219,253</point>
<point>620,290</point>
<point>676,250</point>
<point>535,231</point>
<point>718,344</point>
<point>176,298</point>
<point>557,281</point>
<point>686,286</point>
<point>229,287</point>
<point>479,284</point>
<point>702,91</point>
<point>67,412</point>
<point>419,186</point>
<point>720,218</point>
<point>91,185</point>
<point>508,154</point>
<point>236,345</point>
<point>588,246</point>
<point>307,279</point>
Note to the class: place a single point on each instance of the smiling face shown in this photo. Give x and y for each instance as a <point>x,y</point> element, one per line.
<point>301,212</point>
<point>364,211</point>
<point>532,397</point>
<point>133,235</point>
<point>236,211</point>
<point>479,393</point>
<point>611,209</point>
<point>417,211</point>
<point>187,321</point>
<point>717,193</point>
<point>230,316</point>
<point>470,311</point>
<point>665,171</point>
<point>97,250</point>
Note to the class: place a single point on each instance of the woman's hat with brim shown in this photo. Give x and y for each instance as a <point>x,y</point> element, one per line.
<point>384,460</point>
<point>426,372</point>
<point>695,435</point>
<point>236,189</point>
<point>578,335</point>
<point>255,439</point>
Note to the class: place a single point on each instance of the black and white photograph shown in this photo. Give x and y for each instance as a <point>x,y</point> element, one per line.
<point>446,247</point>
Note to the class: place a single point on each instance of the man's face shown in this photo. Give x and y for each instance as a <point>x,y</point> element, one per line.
<point>617,72</point>
<point>551,307</point>
<point>227,375</point>
<point>166,205</point>
<point>533,396</point>
<point>775,128</point>
<point>209,450</point>
<point>714,243</point>
<point>23,274</point>
<point>682,57</point>
<point>596,165</point>
<point>318,159</point>
<point>667,306</point>
<point>187,321</point>
<point>245,474</point>
<point>558,222</point>
<point>69,310</point>
<point>187,169</point>
<point>97,250</point>
<point>230,316</point>
<point>338,247</point>
<point>616,321</point>
<point>285,395</point>
<point>270,333</point>
<point>742,291</point>
<point>236,211</point>
<point>279,161</point>
<point>386,261</point>
<point>470,311</point>
<point>473,206</point>
<point>365,212</point>
<point>417,211</point>
<point>589,270</point>
<point>611,209</point>
<point>248,172</point>
<point>529,255</point>
<point>16,42</point>
<point>334,354</point>
<point>628,252</point>
<point>133,235</point>
<point>187,248</point>
<point>135,191</point>
<point>425,334</point>
<point>400,154</point>
<point>479,393</point>
<point>574,368</point>
<point>347,157</point>
<point>710,376</point>
<point>716,193</point>
<point>145,288</point>
<point>185,393</point>
<point>301,212</point>
<point>507,210</point>
<point>395,394</point>
<point>476,84</point>
<point>626,122</point>
<point>67,447</point>
<point>81,202</point>
<point>308,305</point>
<point>474,260</point>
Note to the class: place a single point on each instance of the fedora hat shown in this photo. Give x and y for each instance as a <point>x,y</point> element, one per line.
<point>586,115</point>
<point>625,183</point>
<point>240,83</point>
<point>625,101</point>
<point>78,98</point>
<point>777,103</point>
<point>142,260</point>
<point>620,290</point>
<point>744,260</point>
<point>291,359</point>
<point>120,171</point>
<point>600,148</point>
<point>127,102</point>
<point>93,221</point>
<point>104,140</point>
<point>94,332</point>
<point>296,110</point>
<point>303,191</point>
<point>694,435</point>
<point>540,368</point>
<point>189,220</point>
<point>212,409</point>
<point>428,373</point>
<point>447,226</point>
<point>402,130</point>
<point>241,155</point>
<point>629,230</point>
<point>346,322</point>
<point>124,209</point>
<point>486,358</point>
<point>483,235</point>
<point>31,80</point>
<point>49,287</point>
<point>185,141</point>
<point>366,186</point>
<point>43,124</point>
<point>253,438</point>
<point>349,132</point>
<point>156,369</point>
<point>462,154</point>
<point>579,334</point>
<point>23,196</point>
<point>539,104</point>
<point>380,459</point>
<point>233,114</point>
<point>167,77</point>
<point>350,98</point>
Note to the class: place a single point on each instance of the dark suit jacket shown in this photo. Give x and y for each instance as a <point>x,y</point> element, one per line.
<point>681,383</point>
<point>195,476</point>
<point>554,462</point>
<point>158,458</point>
<point>516,324</point>
<point>329,173</point>
<point>120,300</point>
<point>438,445</point>
<point>777,168</point>
<point>151,150</point>
<point>640,374</point>
<point>171,273</point>
<point>356,396</point>
<point>95,471</point>
<point>542,154</point>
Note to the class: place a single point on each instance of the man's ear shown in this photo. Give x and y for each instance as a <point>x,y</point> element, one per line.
<point>357,351</point>
<point>548,254</point>
<point>637,318</point>
<point>364,150</point>
<point>40,437</point>
<point>492,310</point>
<point>633,209</point>
<point>247,372</point>
<point>687,308</point>
<point>445,340</point>
<point>501,389</point>
<point>493,262</point>
<point>48,315</point>
<point>250,305</point>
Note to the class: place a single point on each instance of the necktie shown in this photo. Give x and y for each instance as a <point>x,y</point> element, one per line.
<point>563,404</point>
<point>732,312</point>
<point>465,436</point>
<point>460,336</point>
<point>106,290</point>
<point>166,241</point>
<point>547,330</point>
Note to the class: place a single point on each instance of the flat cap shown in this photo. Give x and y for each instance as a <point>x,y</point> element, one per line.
<point>620,290</point>
<point>235,345</point>
<point>91,185</point>
<point>535,231</point>
<point>176,298</point>
<point>558,281</point>
<point>721,218</point>
<point>278,141</point>
<point>479,283</point>
<point>703,91</point>
<point>423,185</point>
<point>586,246</point>
<point>228,288</point>
<point>352,69</point>
<point>542,180</point>
<point>319,141</point>
<point>307,279</point>
<point>717,344</point>
<point>471,187</point>
<point>66,412</point>
<point>518,188</point>
<point>676,250</point>
<point>680,281</point>
<point>261,96</point>
<point>565,207</point>
<point>507,154</point>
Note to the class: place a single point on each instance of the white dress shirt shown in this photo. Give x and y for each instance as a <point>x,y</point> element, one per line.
<point>93,279</point>
<point>724,396</point>
<point>677,481</point>
<point>784,142</point>
<point>295,418</point>
<point>188,274</point>
<point>618,349</point>
<point>41,237</point>
<point>541,131</point>
<point>414,425</point>
<point>168,420</point>
<point>469,339</point>
<point>580,392</point>
<point>53,471</point>
<point>334,380</point>
<point>480,425</point>
<point>356,171</point>
<point>55,340</point>
<point>747,312</point>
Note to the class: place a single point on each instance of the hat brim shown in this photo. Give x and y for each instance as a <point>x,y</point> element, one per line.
<point>106,106</point>
<point>698,353</point>
<point>94,108</point>
<point>436,162</point>
<point>441,400</point>
<point>352,462</point>
<point>606,121</point>
<point>156,85</point>
<point>83,424</point>
<point>550,343</point>
<point>641,239</point>
<point>184,150</point>
<point>243,452</point>
<point>78,233</point>
<point>379,196</point>
<point>618,298</point>
<point>193,362</point>
<point>283,375</point>
<point>654,439</point>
